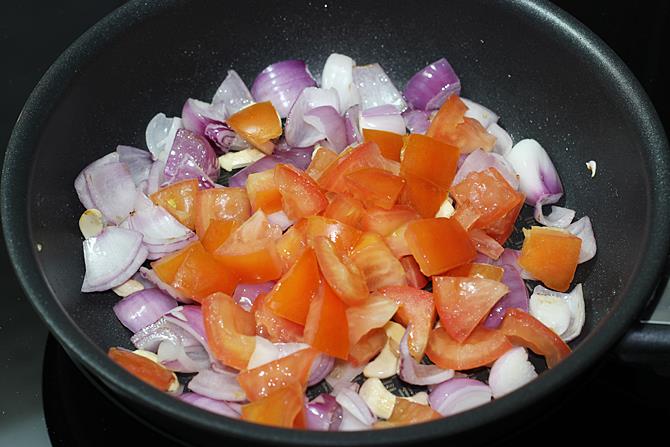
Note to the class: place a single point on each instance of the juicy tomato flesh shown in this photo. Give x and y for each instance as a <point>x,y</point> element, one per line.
<point>366,155</point>
<point>390,143</point>
<point>141,367</point>
<point>430,160</point>
<point>345,209</point>
<point>220,203</point>
<point>263,192</point>
<point>367,347</point>
<point>326,324</point>
<point>301,196</point>
<point>477,270</point>
<point>273,327</point>
<point>439,244</point>
<point>343,236</point>
<point>482,347</point>
<point>217,233</point>
<point>376,262</point>
<point>406,412</point>
<point>342,275</point>
<point>450,125</point>
<point>385,222</point>
<point>283,408</point>
<point>179,200</point>
<point>374,313</point>
<point>375,187</point>
<point>258,124</point>
<point>323,157</point>
<point>200,274</point>
<point>423,196</point>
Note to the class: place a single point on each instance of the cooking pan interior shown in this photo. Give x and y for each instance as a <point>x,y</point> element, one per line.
<point>542,77</point>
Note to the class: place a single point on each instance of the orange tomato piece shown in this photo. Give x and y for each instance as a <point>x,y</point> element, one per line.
<point>374,313</point>
<point>501,229</point>
<point>482,347</point>
<point>272,326</point>
<point>463,302</point>
<point>322,158</point>
<point>291,296</point>
<point>366,155</point>
<point>258,124</point>
<point>551,255</point>
<point>346,209</point>
<point>523,329</point>
<point>326,327</point>
<point>406,412</point>
<point>488,194</point>
<point>178,199</point>
<point>290,247</point>
<point>466,216</point>
<point>166,267</point>
<point>439,244</point>
<point>263,192</point>
<point>230,330</point>
<point>430,160</point>
<point>389,143</point>
<point>424,196</point>
<point>450,125</point>
<point>141,367</point>
<point>367,347</point>
<point>217,233</point>
<point>376,262</point>
<point>416,311</point>
<point>341,274</point>
<point>220,203</point>
<point>385,222</point>
<point>485,244</point>
<point>200,274</point>
<point>283,408</point>
<point>397,243</point>
<point>413,273</point>
<point>301,196</point>
<point>343,236</point>
<point>477,270</point>
<point>266,379</point>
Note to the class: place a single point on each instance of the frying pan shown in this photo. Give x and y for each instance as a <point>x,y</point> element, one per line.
<point>547,76</point>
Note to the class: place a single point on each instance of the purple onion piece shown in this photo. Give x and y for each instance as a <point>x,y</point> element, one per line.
<point>143,308</point>
<point>298,157</point>
<point>160,134</point>
<point>385,117</point>
<point>197,115</point>
<point>221,136</point>
<point>217,385</point>
<point>231,96</point>
<point>323,413</point>
<point>431,86</point>
<point>110,187</point>
<point>215,406</point>
<point>415,373</point>
<point>537,174</point>
<point>80,185</point>
<point>246,294</point>
<point>416,121</point>
<point>149,338</point>
<point>351,125</point>
<point>458,394</point>
<point>321,367</point>
<point>139,162</point>
<point>160,230</point>
<point>338,74</point>
<point>188,143</point>
<point>584,230</point>
<point>375,87</point>
<point>342,374</point>
<point>504,141</point>
<point>485,116</point>
<point>559,217</point>
<point>300,132</point>
<point>188,169</point>
<point>282,83</point>
<point>352,402</point>
<point>516,297</point>
<point>330,124</point>
<point>185,359</point>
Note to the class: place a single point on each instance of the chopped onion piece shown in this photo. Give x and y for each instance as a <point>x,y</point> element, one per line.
<point>282,83</point>
<point>574,302</point>
<point>504,141</point>
<point>185,359</point>
<point>111,186</point>
<point>231,96</point>
<point>560,217</point>
<point>142,308</point>
<point>189,144</point>
<point>246,294</point>
<point>480,160</point>
<point>80,182</point>
<point>517,295</point>
<point>160,134</point>
<point>385,117</point>
<point>215,406</point>
<point>342,374</point>
<point>323,413</point>
<point>266,351</point>
<point>352,423</point>
<point>298,157</point>
<point>351,125</point>
<point>196,115</point>
<point>330,124</point>
<point>321,367</point>
<point>537,174</point>
<point>459,394</point>
<point>217,385</point>
<point>431,86</point>
<point>415,373</point>
<point>139,163</point>
<point>416,121</point>
<point>485,116</point>
<point>584,230</point>
<point>376,88</point>
<point>300,130</point>
<point>338,74</point>
<point>552,311</point>
<point>511,371</point>
<point>354,404</point>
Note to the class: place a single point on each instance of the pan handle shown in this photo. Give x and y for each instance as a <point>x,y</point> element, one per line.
<point>647,343</point>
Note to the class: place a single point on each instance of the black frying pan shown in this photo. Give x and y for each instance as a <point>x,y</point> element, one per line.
<point>547,76</point>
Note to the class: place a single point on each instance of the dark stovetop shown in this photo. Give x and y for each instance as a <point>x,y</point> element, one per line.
<point>41,387</point>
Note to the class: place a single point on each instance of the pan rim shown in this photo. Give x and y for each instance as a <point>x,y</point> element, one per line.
<point>21,250</point>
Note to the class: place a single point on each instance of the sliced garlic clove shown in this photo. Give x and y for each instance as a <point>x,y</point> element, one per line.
<point>241,159</point>
<point>385,365</point>
<point>380,400</point>
<point>128,288</point>
<point>420,398</point>
<point>446,209</point>
<point>91,223</point>
<point>175,386</point>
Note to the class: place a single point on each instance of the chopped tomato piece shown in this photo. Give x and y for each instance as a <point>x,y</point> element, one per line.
<point>263,192</point>
<point>375,312</point>
<point>501,229</point>
<point>201,274</point>
<point>272,326</point>
<point>425,197</point>
<point>367,347</point>
<point>326,328</point>
<point>397,243</point>
<point>463,302</point>
<point>290,247</point>
<point>466,216</point>
<point>477,270</point>
<point>166,267</point>
<point>406,412</point>
<point>366,155</point>
<point>389,143</point>
<point>141,367</point>
<point>291,296</point>
<point>342,275</point>
<point>385,222</point>
<point>450,125</point>
<point>376,262</point>
<point>301,196</point>
<point>430,160</point>
<point>346,209</point>
<point>488,194</point>
<point>266,379</point>
<point>482,347</point>
<point>322,158</point>
<point>551,255</point>
<point>178,199</point>
<point>220,203</point>
<point>258,124</point>
<point>439,244</point>
<point>523,329</point>
<point>413,273</point>
<point>217,233</point>
<point>283,408</point>
<point>342,235</point>
<point>485,244</point>
<point>230,330</point>
<point>416,311</point>
<point>375,187</point>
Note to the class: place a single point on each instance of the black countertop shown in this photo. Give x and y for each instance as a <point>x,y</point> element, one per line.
<point>617,397</point>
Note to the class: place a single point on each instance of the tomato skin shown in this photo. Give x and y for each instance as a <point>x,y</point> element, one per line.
<point>503,227</point>
<point>321,160</point>
<point>273,327</point>
<point>217,233</point>
<point>343,236</point>
<point>406,412</point>
<point>263,192</point>
<point>397,242</point>
<point>482,347</point>
<point>200,274</point>
<point>477,270</point>
<point>430,160</point>
<point>450,125</point>
<point>141,367</point>
<point>551,255</point>
<point>389,143</point>
<point>375,187</point>
<point>283,408</point>
<point>385,222</point>
<point>367,347</point>
<point>290,298</point>
<point>366,155</point>
<point>413,273</point>
<point>439,244</point>
<point>290,247</point>
<point>425,197</point>
<point>326,324</point>
<point>266,379</point>
<point>342,275</point>
<point>416,309</point>
<point>178,199</point>
<point>374,313</point>
<point>485,244</point>
<point>220,203</point>
<point>345,209</point>
<point>523,329</point>
<point>376,262</point>
<point>166,267</point>
<point>463,302</point>
<point>301,196</point>
<point>230,330</point>
<point>258,124</point>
